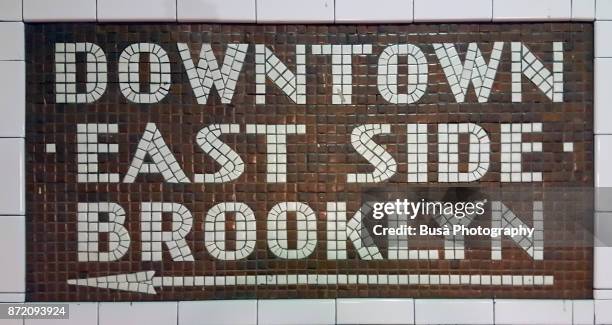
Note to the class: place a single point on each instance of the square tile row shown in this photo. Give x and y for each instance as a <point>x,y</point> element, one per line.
<point>268,11</point>
<point>340,311</point>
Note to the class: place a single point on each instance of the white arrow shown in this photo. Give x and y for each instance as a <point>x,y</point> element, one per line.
<point>145,282</point>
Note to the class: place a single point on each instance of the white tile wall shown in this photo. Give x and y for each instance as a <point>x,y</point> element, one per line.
<point>385,311</point>
<point>603,312</point>
<point>504,10</point>
<point>12,248</point>
<point>13,41</point>
<point>603,46</point>
<point>296,311</point>
<point>452,10</point>
<point>583,10</point>
<point>137,10</point>
<point>84,313</point>
<point>12,192</point>
<point>603,96</point>
<point>453,311</point>
<point>149,313</point>
<point>311,11</point>
<point>10,10</point>
<point>214,10</point>
<point>59,10</point>
<point>604,9</point>
<point>536,312</point>
<point>12,98</point>
<point>583,312</point>
<point>603,156</point>
<point>602,267</point>
<point>363,11</point>
<point>233,312</point>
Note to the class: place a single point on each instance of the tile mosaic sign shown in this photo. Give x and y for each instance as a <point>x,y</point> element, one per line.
<point>186,162</point>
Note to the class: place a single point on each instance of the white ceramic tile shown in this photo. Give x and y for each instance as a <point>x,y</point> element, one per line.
<point>364,11</point>
<point>603,312</point>
<point>602,267</point>
<point>584,312</point>
<point>214,10</point>
<point>12,297</point>
<point>603,47</point>
<point>452,10</point>
<point>11,321</point>
<point>604,294</point>
<point>603,156</point>
<point>296,311</point>
<point>218,312</point>
<point>537,312</point>
<point>83,313</point>
<point>150,313</point>
<point>12,165</point>
<point>311,11</point>
<point>453,311</point>
<point>12,98</point>
<point>516,10</point>
<point>13,41</point>
<point>387,311</point>
<point>136,10</point>
<point>10,10</point>
<point>603,96</point>
<point>603,9</point>
<point>12,254</point>
<point>59,10</point>
<point>583,10</point>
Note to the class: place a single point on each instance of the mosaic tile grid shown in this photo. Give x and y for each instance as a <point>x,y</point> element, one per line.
<point>230,161</point>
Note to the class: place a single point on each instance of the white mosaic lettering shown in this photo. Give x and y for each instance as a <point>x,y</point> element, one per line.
<point>512,148</point>
<point>417,153</point>
<point>90,226</point>
<point>268,65</point>
<point>524,62</point>
<point>88,149</point>
<point>231,164</point>
<point>129,77</point>
<point>153,145</point>
<point>475,69</point>
<point>388,74</point>
<point>342,68</point>
<point>501,216</point>
<point>398,244</point>
<point>448,152</point>
<point>153,236</point>
<point>306,230</point>
<point>65,72</point>
<point>207,73</point>
<point>385,165</point>
<point>338,231</point>
<point>214,227</point>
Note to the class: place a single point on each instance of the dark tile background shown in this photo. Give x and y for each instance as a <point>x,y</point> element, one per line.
<point>317,162</point>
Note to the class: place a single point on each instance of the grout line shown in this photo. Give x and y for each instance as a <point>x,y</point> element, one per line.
<point>256,13</point>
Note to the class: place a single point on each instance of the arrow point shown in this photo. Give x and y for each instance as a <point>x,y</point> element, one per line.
<point>132,282</point>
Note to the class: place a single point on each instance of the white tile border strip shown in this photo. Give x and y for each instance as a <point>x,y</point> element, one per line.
<point>580,10</point>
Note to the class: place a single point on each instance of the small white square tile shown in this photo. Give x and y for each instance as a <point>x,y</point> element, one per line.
<point>603,156</point>
<point>603,47</point>
<point>452,10</point>
<point>12,254</point>
<point>603,96</point>
<point>530,311</point>
<point>296,311</point>
<point>12,165</point>
<point>364,11</point>
<point>217,11</point>
<point>584,312</point>
<point>13,41</point>
<point>10,10</point>
<point>59,10</point>
<point>81,313</point>
<point>387,311</point>
<point>603,9</point>
<point>12,98</point>
<point>603,312</point>
<point>295,11</point>
<point>568,147</point>
<point>137,10</point>
<point>12,297</point>
<point>218,312</point>
<point>453,311</point>
<point>583,10</point>
<point>149,313</point>
<point>517,10</point>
